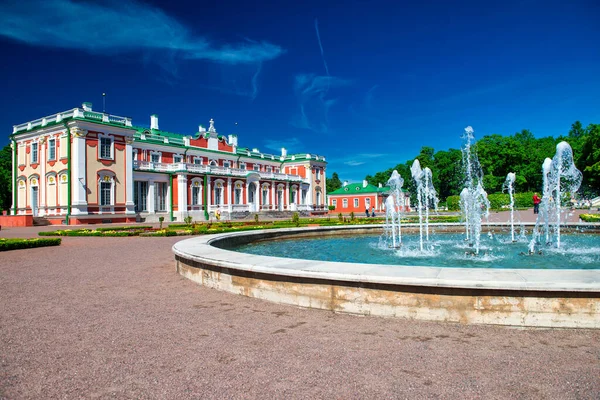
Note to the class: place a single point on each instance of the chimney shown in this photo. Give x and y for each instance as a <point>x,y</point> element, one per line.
<point>87,106</point>
<point>283,152</point>
<point>345,183</point>
<point>154,121</point>
<point>365,183</point>
<point>233,140</point>
<point>201,129</point>
<point>380,185</point>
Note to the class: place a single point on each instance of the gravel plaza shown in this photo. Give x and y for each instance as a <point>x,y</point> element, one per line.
<point>110,317</point>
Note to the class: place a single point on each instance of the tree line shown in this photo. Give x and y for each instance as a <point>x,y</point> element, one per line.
<point>520,153</point>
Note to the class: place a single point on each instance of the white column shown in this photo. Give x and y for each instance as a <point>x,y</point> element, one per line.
<point>208,194</point>
<point>273,193</point>
<point>287,195</point>
<point>151,197</point>
<point>309,195</point>
<point>12,177</point>
<point>229,198</point>
<point>182,200</point>
<point>42,182</point>
<point>129,204</point>
<point>78,173</point>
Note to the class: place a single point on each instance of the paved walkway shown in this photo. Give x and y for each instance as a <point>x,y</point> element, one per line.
<point>110,317</point>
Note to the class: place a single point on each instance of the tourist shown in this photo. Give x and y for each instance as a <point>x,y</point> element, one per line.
<point>218,213</point>
<point>367,212</point>
<point>373,212</point>
<point>536,203</point>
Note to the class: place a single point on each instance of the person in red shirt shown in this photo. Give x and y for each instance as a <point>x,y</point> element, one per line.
<point>536,203</point>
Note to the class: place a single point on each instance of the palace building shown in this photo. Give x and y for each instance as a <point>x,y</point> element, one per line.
<point>82,166</point>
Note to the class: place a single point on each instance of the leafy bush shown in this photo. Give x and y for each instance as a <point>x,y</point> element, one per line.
<point>296,219</point>
<point>524,200</point>
<point>341,217</point>
<point>256,218</point>
<point>453,203</point>
<point>499,201</point>
<point>16,244</point>
<point>352,217</point>
<point>331,208</point>
<point>161,220</point>
<point>188,220</point>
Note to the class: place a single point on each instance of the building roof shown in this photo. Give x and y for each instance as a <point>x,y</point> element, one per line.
<point>358,188</point>
<point>156,136</point>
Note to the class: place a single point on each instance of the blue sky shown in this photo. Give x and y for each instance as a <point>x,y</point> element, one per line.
<point>364,83</point>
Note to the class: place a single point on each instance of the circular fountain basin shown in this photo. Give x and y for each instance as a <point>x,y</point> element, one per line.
<point>517,297</point>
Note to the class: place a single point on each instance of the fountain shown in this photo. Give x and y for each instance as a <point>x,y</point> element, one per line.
<point>426,195</point>
<point>509,185</point>
<point>560,178</point>
<point>343,269</point>
<point>474,202</point>
<point>393,210</point>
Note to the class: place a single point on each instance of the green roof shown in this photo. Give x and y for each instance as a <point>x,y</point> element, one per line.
<point>357,188</point>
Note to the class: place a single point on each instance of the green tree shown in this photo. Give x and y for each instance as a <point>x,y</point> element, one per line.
<point>589,160</point>
<point>577,130</point>
<point>333,183</point>
<point>5,177</point>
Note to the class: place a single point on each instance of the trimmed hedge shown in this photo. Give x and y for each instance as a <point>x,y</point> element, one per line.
<point>498,201</point>
<point>16,244</point>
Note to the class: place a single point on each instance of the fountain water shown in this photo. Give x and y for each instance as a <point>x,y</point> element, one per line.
<point>426,196</point>
<point>509,185</point>
<point>474,202</point>
<point>393,209</point>
<point>561,178</point>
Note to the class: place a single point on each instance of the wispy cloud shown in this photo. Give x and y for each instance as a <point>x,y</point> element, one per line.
<point>362,158</point>
<point>114,27</point>
<point>322,52</point>
<point>289,143</point>
<point>310,91</point>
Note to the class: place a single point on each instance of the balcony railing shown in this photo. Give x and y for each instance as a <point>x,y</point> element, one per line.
<point>209,169</point>
<point>75,113</point>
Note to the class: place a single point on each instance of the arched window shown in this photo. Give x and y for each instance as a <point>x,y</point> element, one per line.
<point>196,192</point>
<point>106,189</point>
<point>237,192</point>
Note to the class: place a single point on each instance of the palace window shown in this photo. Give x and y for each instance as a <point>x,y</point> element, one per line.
<point>367,203</point>
<point>355,203</point>
<point>226,164</point>
<point>265,195</point>
<point>52,149</point>
<point>334,202</point>
<point>256,167</point>
<point>161,196</point>
<point>196,193</point>
<point>237,193</point>
<point>140,195</point>
<point>105,192</point>
<point>197,160</point>
<point>268,168</point>
<point>155,157</point>
<point>345,203</point>
<point>177,159</point>
<point>34,153</point>
<point>106,148</point>
<point>317,173</point>
<point>243,165</point>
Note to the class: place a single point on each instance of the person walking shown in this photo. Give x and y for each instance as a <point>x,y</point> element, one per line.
<point>536,203</point>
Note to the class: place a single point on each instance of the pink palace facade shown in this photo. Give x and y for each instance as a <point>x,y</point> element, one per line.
<point>81,166</point>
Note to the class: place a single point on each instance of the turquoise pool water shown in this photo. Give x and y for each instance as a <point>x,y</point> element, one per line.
<point>578,251</point>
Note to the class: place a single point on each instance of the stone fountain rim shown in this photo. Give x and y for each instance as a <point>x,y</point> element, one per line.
<point>202,250</point>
